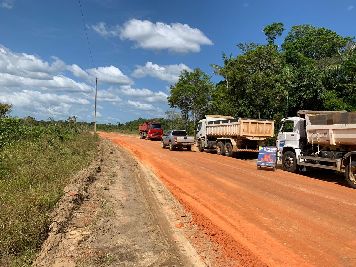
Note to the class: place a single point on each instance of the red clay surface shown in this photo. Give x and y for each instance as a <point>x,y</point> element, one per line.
<point>260,217</point>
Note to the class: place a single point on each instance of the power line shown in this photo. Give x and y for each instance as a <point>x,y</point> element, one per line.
<point>85,30</point>
<point>91,58</point>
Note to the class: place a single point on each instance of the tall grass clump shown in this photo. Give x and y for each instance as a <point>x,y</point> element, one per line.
<point>37,159</point>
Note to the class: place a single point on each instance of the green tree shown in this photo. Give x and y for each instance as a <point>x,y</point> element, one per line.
<point>320,79</point>
<point>191,94</point>
<point>221,103</point>
<point>340,80</point>
<point>272,31</point>
<point>313,43</point>
<point>5,109</point>
<point>255,82</point>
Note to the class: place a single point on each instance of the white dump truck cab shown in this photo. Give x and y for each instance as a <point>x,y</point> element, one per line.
<point>290,141</point>
<point>292,133</point>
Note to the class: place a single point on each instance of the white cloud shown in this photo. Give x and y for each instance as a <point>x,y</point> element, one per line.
<point>56,82</point>
<point>25,65</point>
<point>145,95</point>
<point>109,74</point>
<point>108,96</point>
<point>43,89</point>
<point>8,4</point>
<point>169,73</point>
<point>350,7</point>
<point>174,37</point>
<point>35,102</point>
<point>141,106</point>
<point>104,31</point>
<point>78,72</point>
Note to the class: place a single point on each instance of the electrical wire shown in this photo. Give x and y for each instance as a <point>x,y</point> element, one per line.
<point>85,30</point>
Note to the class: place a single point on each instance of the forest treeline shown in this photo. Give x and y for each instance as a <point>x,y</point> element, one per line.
<point>313,68</point>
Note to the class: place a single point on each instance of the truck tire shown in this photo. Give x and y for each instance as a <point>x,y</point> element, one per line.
<point>163,145</point>
<point>171,147</point>
<point>289,161</point>
<point>189,148</point>
<point>220,148</point>
<point>200,146</point>
<point>350,173</point>
<point>228,149</point>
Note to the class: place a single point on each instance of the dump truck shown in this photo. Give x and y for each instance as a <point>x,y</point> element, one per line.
<point>227,135</point>
<point>151,130</point>
<point>319,139</point>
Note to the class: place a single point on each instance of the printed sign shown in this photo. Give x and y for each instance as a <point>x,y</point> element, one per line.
<point>267,157</point>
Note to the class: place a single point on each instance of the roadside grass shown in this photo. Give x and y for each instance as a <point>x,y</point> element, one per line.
<point>33,173</point>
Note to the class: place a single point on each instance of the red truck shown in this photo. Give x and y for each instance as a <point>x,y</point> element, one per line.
<point>151,130</point>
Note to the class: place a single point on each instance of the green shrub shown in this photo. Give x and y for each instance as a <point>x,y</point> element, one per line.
<point>36,162</point>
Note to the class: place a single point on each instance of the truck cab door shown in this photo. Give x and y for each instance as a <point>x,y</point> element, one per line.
<point>289,134</point>
<point>200,130</point>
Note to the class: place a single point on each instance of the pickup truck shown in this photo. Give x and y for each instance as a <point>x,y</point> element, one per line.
<point>177,139</point>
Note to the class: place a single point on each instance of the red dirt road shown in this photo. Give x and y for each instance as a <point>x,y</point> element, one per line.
<point>260,217</point>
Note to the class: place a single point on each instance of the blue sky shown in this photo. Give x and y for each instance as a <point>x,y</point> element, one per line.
<point>138,49</point>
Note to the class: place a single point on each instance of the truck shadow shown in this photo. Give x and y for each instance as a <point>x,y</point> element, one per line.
<point>324,175</point>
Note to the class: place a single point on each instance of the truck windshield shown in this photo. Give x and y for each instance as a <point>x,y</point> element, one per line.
<point>288,126</point>
<point>155,126</point>
<point>179,133</point>
<point>199,126</point>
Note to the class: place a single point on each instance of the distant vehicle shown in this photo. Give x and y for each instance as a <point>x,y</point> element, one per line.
<point>227,135</point>
<point>320,139</point>
<point>176,139</point>
<point>151,130</point>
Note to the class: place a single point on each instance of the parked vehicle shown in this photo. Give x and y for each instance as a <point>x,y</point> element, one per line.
<point>177,139</point>
<point>320,139</point>
<point>228,135</point>
<point>151,130</point>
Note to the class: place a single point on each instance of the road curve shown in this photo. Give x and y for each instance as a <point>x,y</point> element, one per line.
<point>261,218</point>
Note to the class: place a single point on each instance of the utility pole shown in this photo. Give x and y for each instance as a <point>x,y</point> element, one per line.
<point>96,95</point>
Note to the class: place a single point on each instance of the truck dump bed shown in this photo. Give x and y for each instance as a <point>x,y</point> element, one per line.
<point>331,128</point>
<point>241,128</point>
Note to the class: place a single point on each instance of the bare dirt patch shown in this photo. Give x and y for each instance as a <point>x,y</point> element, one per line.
<point>116,213</point>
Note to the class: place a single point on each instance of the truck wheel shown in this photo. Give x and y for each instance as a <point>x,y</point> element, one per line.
<point>220,148</point>
<point>171,147</point>
<point>289,161</point>
<point>163,145</point>
<point>350,174</point>
<point>228,149</point>
<point>189,148</point>
<point>200,146</point>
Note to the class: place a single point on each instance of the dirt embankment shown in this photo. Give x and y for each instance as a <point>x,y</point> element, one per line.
<point>117,213</point>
